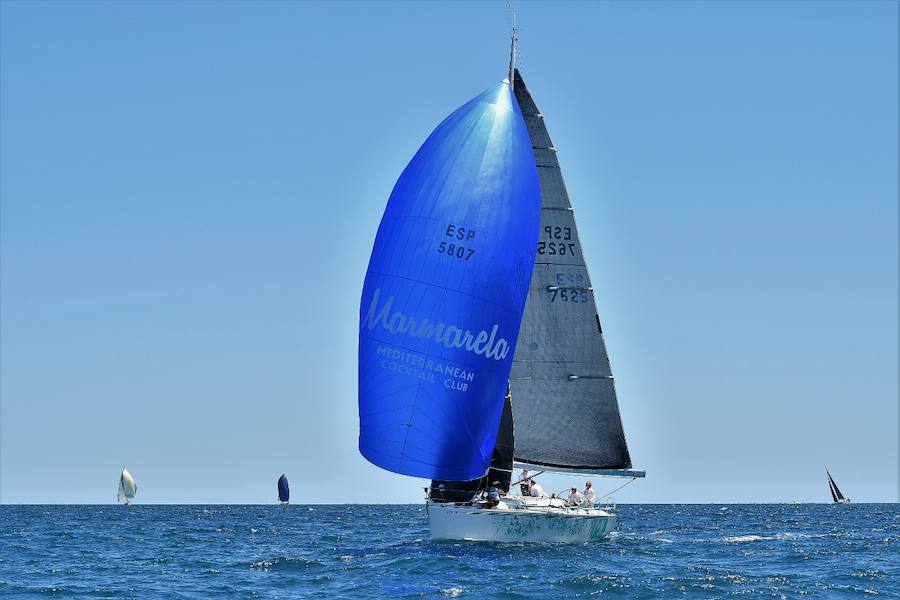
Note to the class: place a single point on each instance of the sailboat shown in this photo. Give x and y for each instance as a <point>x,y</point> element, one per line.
<point>836,494</point>
<point>284,491</point>
<point>127,487</point>
<point>480,346</point>
<point>562,412</point>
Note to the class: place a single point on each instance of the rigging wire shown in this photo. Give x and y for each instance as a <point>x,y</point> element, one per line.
<point>620,487</point>
<point>560,493</point>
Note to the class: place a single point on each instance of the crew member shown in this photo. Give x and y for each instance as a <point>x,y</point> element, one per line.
<point>493,495</point>
<point>525,483</point>
<point>575,498</point>
<point>589,495</point>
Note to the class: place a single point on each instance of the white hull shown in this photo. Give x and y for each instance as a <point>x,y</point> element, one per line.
<point>519,520</point>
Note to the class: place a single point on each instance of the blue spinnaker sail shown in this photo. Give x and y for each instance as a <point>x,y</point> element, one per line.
<point>445,292</point>
<point>284,492</point>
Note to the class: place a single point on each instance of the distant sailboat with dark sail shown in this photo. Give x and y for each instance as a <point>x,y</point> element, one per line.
<point>836,494</point>
<point>284,491</point>
<point>127,487</point>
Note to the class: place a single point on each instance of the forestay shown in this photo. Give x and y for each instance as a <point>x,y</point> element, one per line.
<point>444,294</point>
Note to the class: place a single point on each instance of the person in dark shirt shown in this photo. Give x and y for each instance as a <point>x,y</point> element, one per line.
<point>492,495</point>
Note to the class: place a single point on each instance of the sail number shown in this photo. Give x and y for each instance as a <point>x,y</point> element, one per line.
<point>455,249</point>
<point>573,292</point>
<point>565,295</point>
<point>557,248</point>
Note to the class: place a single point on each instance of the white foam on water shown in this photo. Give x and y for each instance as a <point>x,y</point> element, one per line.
<point>737,539</point>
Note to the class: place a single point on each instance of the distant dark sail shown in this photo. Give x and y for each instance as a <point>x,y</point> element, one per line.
<point>564,402</point>
<point>284,492</point>
<point>500,470</point>
<point>836,494</point>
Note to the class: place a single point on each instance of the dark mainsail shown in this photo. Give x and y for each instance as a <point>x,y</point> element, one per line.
<point>564,406</point>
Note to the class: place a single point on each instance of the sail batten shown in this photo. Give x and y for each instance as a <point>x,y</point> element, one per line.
<point>565,409</point>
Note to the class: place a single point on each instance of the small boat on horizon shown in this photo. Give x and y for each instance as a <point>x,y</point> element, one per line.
<point>836,494</point>
<point>284,490</point>
<point>127,488</point>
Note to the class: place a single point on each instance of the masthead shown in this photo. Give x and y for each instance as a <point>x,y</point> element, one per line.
<point>512,47</point>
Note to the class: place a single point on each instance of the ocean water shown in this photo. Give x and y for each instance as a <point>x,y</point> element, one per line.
<point>354,551</point>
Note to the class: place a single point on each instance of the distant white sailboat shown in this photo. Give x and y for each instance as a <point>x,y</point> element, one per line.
<point>127,487</point>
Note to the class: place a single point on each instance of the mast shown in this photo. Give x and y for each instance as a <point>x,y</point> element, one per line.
<point>512,47</point>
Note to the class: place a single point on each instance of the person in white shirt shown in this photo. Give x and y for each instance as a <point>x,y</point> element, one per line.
<point>589,495</point>
<point>536,490</point>
<point>575,498</point>
<point>525,483</point>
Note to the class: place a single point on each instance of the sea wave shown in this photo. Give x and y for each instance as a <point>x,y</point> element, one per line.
<point>659,551</point>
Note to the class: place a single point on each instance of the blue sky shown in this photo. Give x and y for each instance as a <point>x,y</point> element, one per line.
<point>190,192</point>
